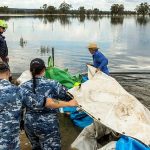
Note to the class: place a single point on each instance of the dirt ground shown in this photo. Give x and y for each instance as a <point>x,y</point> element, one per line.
<point>25,144</point>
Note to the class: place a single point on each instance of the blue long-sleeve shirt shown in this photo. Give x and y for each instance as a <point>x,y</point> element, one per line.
<point>101,62</point>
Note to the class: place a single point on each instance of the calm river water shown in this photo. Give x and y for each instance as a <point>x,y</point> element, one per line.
<point>125,41</point>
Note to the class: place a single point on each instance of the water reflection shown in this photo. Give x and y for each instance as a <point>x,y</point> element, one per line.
<point>5,18</point>
<point>64,20</point>
<point>49,19</point>
<point>117,20</point>
<point>82,18</point>
<point>95,18</point>
<point>44,50</point>
<point>23,42</point>
<point>142,20</point>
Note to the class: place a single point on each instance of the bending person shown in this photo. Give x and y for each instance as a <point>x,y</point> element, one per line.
<point>99,60</point>
<point>41,125</point>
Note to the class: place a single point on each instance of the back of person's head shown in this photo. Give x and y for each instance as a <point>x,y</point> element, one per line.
<point>3,67</point>
<point>37,66</point>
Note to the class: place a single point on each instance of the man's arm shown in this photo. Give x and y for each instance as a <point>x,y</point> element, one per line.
<point>60,92</point>
<point>51,103</point>
<point>38,101</point>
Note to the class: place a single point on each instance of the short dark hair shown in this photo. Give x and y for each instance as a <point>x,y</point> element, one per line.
<point>4,67</point>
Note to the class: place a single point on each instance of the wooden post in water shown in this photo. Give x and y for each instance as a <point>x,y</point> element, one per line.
<point>53,55</point>
<point>13,27</point>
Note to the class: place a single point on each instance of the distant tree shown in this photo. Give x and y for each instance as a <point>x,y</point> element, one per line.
<point>117,9</point>
<point>121,9</point>
<point>73,12</point>
<point>143,9</point>
<point>4,9</point>
<point>130,12</point>
<point>44,7</point>
<point>64,7</point>
<point>114,8</point>
<point>51,10</point>
<point>81,10</point>
<point>96,11</point>
<point>89,12</point>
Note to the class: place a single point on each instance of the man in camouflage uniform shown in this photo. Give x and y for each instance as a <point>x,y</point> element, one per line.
<point>11,99</point>
<point>41,125</point>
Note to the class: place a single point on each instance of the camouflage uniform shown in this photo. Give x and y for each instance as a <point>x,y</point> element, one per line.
<point>41,125</point>
<point>11,98</point>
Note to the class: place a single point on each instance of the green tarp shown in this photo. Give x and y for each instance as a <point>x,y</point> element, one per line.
<point>62,76</point>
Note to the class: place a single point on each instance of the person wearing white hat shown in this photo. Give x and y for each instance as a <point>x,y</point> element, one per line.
<point>99,60</point>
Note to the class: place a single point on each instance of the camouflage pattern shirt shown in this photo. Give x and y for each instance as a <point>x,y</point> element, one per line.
<point>41,124</point>
<point>47,88</point>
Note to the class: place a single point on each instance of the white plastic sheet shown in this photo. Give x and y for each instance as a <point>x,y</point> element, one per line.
<point>87,140</point>
<point>25,76</point>
<point>108,102</point>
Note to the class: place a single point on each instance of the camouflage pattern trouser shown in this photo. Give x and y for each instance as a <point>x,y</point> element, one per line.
<point>9,142</point>
<point>43,131</point>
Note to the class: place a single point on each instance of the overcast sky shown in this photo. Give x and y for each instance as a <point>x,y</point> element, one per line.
<point>101,4</point>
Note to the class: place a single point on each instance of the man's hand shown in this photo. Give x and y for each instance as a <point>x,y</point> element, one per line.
<point>73,103</point>
<point>97,70</point>
<point>89,64</point>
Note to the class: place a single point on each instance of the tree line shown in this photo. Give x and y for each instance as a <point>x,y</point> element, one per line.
<point>65,8</point>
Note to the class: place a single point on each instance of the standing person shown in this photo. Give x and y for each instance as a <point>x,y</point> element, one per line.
<point>3,44</point>
<point>11,99</point>
<point>41,125</point>
<point>99,60</point>
<point>10,104</point>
